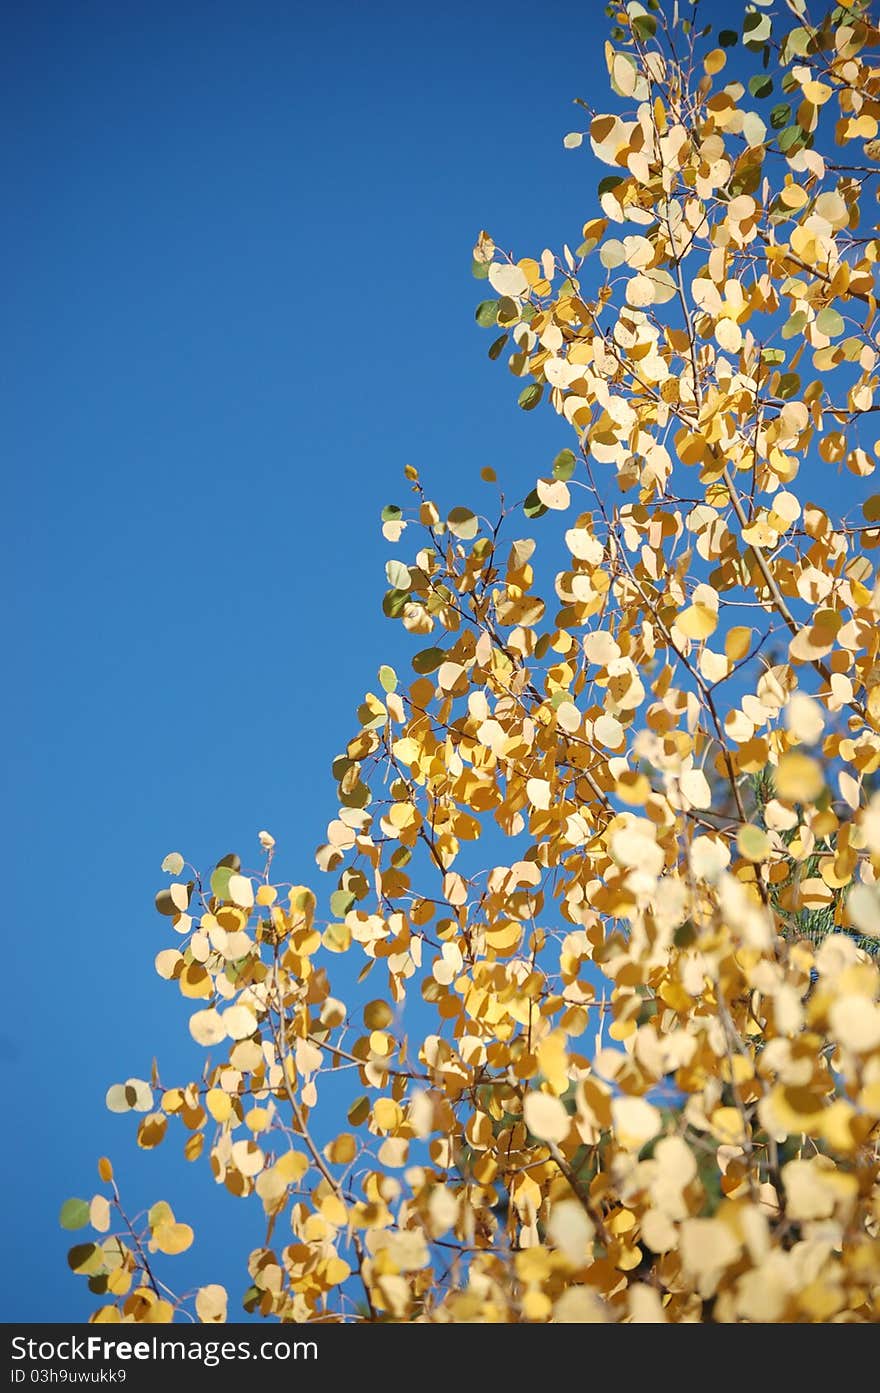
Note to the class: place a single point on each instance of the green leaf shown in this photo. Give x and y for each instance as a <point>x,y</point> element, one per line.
<point>251,1299</point>
<point>86,1257</point>
<point>463,524</point>
<point>74,1214</point>
<point>496,348</point>
<point>609,183</point>
<point>644,26</point>
<point>798,41</point>
<point>359,1111</point>
<point>533,507</point>
<point>746,179</point>
<point>756,29</point>
<point>564,464</point>
<point>794,325</point>
<point>387,678</point>
<point>428,661</point>
<point>341,902</point>
<point>791,139</point>
<point>394,602</point>
<point>852,348</point>
<point>398,576</point>
<point>479,269</point>
<point>165,904</point>
<point>789,385</point>
<point>486,313</point>
<point>773,355</point>
<point>760,85</point>
<point>391,513</point>
<point>728,38</point>
<point>357,797</point>
<point>780,116</point>
<point>530,396</point>
<point>830,322</point>
<point>220,882</point>
<point>369,718</point>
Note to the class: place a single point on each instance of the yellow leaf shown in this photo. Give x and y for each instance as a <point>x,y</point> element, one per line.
<point>503,937</point>
<point>158,1313</point>
<point>632,788</point>
<point>341,1150</point>
<point>554,494</point>
<point>119,1281</point>
<point>727,1126</point>
<point>707,1247</point>
<point>571,1230</point>
<point>337,1272</point>
<point>697,621</point>
<point>207,1027</point>
<point>194,981</point>
<point>816,93</point>
<point>239,1022</point>
<point>804,719</point>
<point>173,1238</point>
<point>387,1114</point>
<point>211,1303</point>
<point>635,1121</point>
<point>855,1021</point>
<point>737,643</point>
<point>695,788</point>
<point>508,280</point>
<point>336,938</point>
<point>729,335</point>
<point>218,1103</point>
<point>752,843</point>
<point>294,1164</point>
<point>99,1213</point>
<point>538,793</point>
<point>546,1117</point>
<point>799,778</point>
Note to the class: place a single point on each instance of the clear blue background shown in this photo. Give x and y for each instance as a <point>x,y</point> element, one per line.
<point>237,291</point>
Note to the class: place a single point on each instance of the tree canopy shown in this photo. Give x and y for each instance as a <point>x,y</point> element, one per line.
<point>605,917</point>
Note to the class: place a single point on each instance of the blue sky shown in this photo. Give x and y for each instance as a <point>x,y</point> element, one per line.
<point>238,302</point>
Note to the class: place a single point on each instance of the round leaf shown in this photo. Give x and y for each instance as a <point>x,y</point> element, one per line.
<point>830,322</point>
<point>387,678</point>
<point>530,396</point>
<point>74,1214</point>
<point>564,465</point>
<point>487,313</point>
<point>211,1303</point>
<point>463,523</point>
<point>428,660</point>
